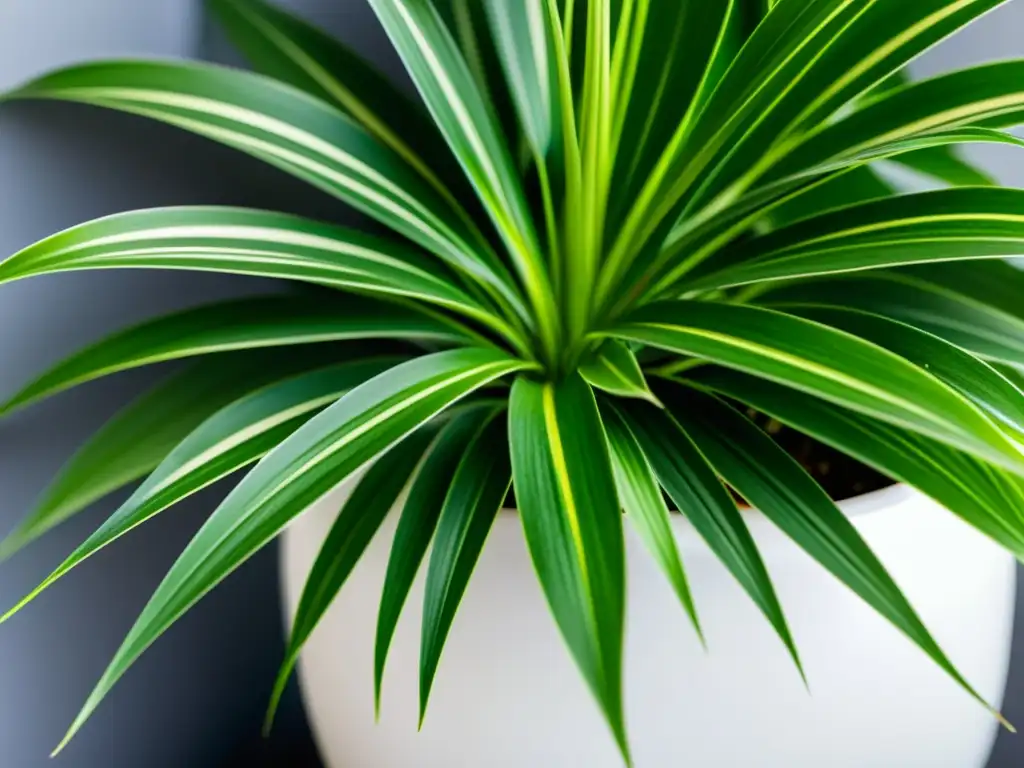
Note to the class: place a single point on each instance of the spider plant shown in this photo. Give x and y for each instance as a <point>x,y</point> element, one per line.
<point>609,230</point>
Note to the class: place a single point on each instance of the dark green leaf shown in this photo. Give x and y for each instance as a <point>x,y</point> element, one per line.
<point>478,489</point>
<point>360,517</point>
<point>614,369</point>
<point>322,453</point>
<point>573,523</point>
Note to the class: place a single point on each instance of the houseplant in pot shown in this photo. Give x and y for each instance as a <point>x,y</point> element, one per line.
<point>634,272</point>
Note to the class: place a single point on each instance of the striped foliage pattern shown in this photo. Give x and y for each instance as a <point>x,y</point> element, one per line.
<point>606,238</point>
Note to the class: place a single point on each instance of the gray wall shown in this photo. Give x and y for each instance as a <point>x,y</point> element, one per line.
<point>196,698</point>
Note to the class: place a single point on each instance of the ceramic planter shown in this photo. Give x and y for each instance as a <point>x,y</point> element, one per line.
<point>509,696</point>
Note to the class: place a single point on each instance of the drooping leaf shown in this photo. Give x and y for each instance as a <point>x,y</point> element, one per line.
<point>360,517</point>
<point>291,50</point>
<point>984,328</point>
<point>328,448</point>
<point>945,225</point>
<point>824,362</point>
<point>273,321</point>
<point>614,369</point>
<point>478,489</point>
<point>695,489</point>
<point>975,379</point>
<point>573,524</point>
<point>138,438</point>
<point>232,438</point>
<point>253,243</point>
<point>775,484</point>
<point>645,506</point>
<point>984,497</point>
<point>957,99</point>
<point>416,528</point>
<point>317,143</point>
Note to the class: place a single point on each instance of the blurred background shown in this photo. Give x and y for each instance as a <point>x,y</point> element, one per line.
<point>198,696</point>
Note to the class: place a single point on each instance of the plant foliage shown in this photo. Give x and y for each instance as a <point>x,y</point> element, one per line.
<point>607,224</point>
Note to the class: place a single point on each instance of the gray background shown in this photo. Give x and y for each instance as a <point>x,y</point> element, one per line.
<point>197,697</point>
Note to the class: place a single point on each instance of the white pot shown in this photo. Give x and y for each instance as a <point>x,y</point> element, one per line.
<point>508,696</point>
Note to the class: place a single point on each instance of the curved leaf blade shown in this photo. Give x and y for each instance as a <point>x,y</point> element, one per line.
<point>360,517</point>
<point>477,492</point>
<point>291,50</point>
<point>317,143</point>
<point>975,379</point>
<point>824,362</point>
<point>141,435</point>
<point>273,321</point>
<point>573,524</point>
<point>364,423</point>
<point>232,438</point>
<point>989,500</point>
<point>695,489</point>
<point>416,529</point>
<point>645,507</point>
<point>775,484</point>
<point>941,226</point>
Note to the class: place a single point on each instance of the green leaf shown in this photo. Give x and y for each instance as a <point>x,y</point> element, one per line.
<point>273,321</point>
<point>573,524</point>
<point>950,310</point>
<point>985,498</point>
<point>695,489</point>
<point>316,143</point>
<point>614,369</point>
<point>232,438</point>
<point>289,49</point>
<point>645,506</point>
<point>360,517</point>
<point>954,100</point>
<point>466,119</point>
<point>975,379</point>
<point>945,225</point>
<point>253,243</point>
<point>823,362</point>
<point>137,439</point>
<point>775,484</point>
<point>477,492</point>
<point>322,453</point>
<point>416,528</point>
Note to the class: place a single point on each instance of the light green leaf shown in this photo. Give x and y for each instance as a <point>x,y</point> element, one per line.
<point>645,506</point>
<point>316,143</point>
<point>360,517</point>
<point>253,243</point>
<point>695,489</point>
<point>776,485</point>
<point>232,438</point>
<point>614,369</point>
<point>573,524</point>
<point>273,321</point>
<point>477,492</point>
<point>322,453</point>
<point>823,362</point>
<point>416,528</point>
<point>984,497</point>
